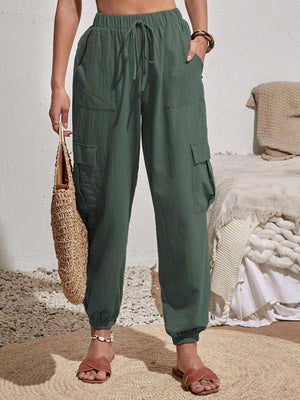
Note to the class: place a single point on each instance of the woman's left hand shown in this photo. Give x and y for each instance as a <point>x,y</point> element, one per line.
<point>199,46</point>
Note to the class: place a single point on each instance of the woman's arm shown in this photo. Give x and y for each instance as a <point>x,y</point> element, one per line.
<point>197,10</point>
<point>67,17</point>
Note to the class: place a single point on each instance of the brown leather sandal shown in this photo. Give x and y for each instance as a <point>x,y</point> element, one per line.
<point>101,363</point>
<point>193,375</point>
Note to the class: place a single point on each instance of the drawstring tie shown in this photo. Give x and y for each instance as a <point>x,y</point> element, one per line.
<point>146,30</point>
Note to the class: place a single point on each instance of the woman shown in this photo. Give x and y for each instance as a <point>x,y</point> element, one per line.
<point>137,69</point>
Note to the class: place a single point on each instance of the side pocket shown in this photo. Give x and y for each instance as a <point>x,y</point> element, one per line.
<point>203,177</point>
<point>188,32</point>
<point>182,80</point>
<point>85,176</point>
<point>93,77</point>
<point>184,87</point>
<point>183,84</point>
<point>199,60</point>
<point>82,48</point>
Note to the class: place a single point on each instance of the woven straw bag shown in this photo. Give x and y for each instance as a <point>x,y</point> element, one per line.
<point>68,227</point>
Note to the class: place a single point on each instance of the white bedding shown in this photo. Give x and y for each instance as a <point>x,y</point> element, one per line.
<point>263,294</point>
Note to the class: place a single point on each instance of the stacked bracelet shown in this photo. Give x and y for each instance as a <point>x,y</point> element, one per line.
<point>208,36</point>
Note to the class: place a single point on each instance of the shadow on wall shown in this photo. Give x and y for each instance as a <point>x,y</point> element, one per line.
<point>6,262</point>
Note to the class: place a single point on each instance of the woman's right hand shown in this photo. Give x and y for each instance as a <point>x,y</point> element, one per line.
<point>60,105</point>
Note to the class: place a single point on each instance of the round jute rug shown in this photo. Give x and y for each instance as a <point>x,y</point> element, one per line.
<point>250,366</point>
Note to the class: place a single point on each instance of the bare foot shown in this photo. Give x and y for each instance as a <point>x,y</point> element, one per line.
<point>96,350</point>
<point>187,357</point>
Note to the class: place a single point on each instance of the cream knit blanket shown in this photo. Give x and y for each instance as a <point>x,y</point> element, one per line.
<point>249,192</point>
<point>277,243</point>
<point>278,118</point>
<point>249,183</point>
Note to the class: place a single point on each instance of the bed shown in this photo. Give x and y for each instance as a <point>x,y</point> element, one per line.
<point>254,240</point>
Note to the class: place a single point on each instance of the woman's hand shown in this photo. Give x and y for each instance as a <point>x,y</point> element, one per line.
<point>199,46</point>
<point>60,105</point>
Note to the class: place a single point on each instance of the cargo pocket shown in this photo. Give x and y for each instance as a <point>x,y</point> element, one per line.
<point>203,177</point>
<point>85,176</point>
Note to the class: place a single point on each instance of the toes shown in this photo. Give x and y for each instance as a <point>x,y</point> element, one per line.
<point>216,382</point>
<point>196,387</point>
<point>210,383</point>
<point>206,384</point>
<point>90,375</point>
<point>100,375</point>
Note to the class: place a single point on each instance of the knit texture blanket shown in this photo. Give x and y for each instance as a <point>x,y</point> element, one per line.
<point>277,243</point>
<point>248,185</point>
<point>278,118</point>
<point>256,213</point>
<point>274,242</point>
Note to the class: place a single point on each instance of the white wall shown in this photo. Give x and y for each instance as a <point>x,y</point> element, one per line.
<point>256,41</point>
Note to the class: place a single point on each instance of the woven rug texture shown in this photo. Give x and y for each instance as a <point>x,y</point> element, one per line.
<point>250,366</point>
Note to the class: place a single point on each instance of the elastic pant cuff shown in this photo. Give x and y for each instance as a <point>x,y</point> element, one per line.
<point>187,336</point>
<point>99,321</point>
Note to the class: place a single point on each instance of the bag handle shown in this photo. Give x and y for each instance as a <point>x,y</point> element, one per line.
<point>63,167</point>
<point>61,133</point>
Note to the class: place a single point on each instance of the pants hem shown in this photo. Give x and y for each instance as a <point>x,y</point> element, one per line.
<point>187,336</point>
<point>98,322</point>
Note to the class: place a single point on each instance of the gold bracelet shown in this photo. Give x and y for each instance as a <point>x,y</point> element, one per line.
<point>208,37</point>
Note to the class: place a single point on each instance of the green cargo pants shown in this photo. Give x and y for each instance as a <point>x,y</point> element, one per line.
<point>131,80</point>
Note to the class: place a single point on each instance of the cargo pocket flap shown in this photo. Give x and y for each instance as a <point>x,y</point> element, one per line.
<point>84,153</point>
<point>201,152</point>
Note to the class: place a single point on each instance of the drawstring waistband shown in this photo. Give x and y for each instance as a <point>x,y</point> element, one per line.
<point>146,22</point>
<point>145,29</point>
